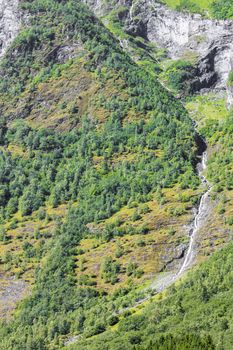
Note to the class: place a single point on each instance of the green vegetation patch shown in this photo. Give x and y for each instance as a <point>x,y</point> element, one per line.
<point>179,76</point>
<point>194,314</point>
<point>68,197</point>
<point>219,9</point>
<point>142,143</point>
<point>196,6</point>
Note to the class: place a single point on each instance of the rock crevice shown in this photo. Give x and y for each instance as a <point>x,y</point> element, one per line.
<point>183,35</point>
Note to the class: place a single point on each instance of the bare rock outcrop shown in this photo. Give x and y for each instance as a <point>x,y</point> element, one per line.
<point>10,22</point>
<point>183,35</point>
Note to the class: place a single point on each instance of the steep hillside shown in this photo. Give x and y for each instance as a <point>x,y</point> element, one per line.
<point>202,47</point>
<point>182,318</point>
<point>101,184</point>
<point>190,55</point>
<point>126,146</point>
<point>216,9</point>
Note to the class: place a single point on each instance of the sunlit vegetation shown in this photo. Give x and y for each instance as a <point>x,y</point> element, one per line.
<point>215,123</point>
<point>179,76</point>
<point>219,9</point>
<point>197,311</point>
<point>97,182</point>
<point>125,145</point>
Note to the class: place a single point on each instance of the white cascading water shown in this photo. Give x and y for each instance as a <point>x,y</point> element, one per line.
<point>165,281</point>
<point>198,220</point>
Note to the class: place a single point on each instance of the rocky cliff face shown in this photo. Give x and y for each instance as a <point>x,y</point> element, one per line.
<point>181,34</point>
<point>229,97</point>
<point>10,19</point>
<point>102,7</point>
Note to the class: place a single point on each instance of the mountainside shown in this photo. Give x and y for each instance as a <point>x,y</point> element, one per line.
<point>206,43</point>
<point>115,177</point>
<point>183,318</point>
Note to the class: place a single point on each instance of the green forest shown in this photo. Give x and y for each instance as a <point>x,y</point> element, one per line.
<point>92,146</point>
<point>196,314</point>
<point>218,9</point>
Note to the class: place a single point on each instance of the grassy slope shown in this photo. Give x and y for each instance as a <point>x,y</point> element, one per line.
<point>211,314</point>
<point>53,108</point>
<point>204,5</point>
<point>219,9</point>
<point>201,304</point>
<point>59,115</point>
<point>115,124</point>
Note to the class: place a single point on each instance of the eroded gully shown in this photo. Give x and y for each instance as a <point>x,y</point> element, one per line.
<point>200,216</point>
<point>198,222</point>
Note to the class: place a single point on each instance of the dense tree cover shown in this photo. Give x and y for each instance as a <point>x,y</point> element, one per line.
<point>56,168</point>
<point>133,340</point>
<point>222,9</point>
<point>201,307</point>
<point>219,9</point>
<point>220,163</point>
<point>180,75</point>
<point>59,167</point>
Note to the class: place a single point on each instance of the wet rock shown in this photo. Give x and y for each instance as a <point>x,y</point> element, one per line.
<point>172,255</point>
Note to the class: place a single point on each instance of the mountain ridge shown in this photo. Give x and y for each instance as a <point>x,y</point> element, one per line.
<point>206,41</point>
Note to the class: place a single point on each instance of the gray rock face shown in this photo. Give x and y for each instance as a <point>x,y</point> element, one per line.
<point>102,7</point>
<point>229,97</point>
<point>182,35</point>
<point>179,33</point>
<point>10,20</point>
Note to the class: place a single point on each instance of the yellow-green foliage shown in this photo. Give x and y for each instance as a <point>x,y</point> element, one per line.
<point>99,182</point>
<point>212,117</point>
<point>164,228</point>
<point>202,6</point>
<point>207,107</point>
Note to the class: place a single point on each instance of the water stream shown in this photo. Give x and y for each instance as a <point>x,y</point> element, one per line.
<point>202,212</point>
<point>199,219</point>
